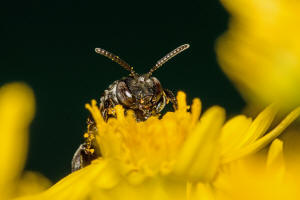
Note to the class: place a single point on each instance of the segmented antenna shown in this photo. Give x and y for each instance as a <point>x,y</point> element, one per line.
<point>168,57</point>
<point>116,59</point>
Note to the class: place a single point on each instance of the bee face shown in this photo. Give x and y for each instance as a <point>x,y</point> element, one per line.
<point>141,92</point>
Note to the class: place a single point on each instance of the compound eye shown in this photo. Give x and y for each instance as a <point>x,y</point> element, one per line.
<point>124,95</point>
<point>157,89</point>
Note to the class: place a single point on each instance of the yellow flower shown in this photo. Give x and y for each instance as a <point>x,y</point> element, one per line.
<point>163,158</point>
<point>260,52</point>
<point>17,107</point>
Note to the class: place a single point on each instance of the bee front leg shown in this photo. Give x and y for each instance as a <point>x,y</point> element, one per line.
<point>82,157</point>
<point>107,109</point>
<point>171,97</point>
<point>78,158</point>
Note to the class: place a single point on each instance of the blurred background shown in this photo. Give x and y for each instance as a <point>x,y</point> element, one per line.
<point>50,46</point>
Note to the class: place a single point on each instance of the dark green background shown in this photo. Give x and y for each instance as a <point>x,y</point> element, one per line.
<point>50,45</point>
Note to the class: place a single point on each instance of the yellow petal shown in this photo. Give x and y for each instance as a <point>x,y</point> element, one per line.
<point>259,126</point>
<point>263,141</point>
<point>203,191</point>
<point>17,106</point>
<point>198,157</point>
<point>275,161</point>
<point>79,184</point>
<point>154,188</point>
<point>233,132</point>
<point>240,132</point>
<point>275,156</point>
<point>31,183</point>
<point>91,183</point>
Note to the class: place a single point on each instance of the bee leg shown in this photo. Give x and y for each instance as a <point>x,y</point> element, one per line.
<point>107,109</point>
<point>171,97</point>
<point>82,157</point>
<point>161,104</point>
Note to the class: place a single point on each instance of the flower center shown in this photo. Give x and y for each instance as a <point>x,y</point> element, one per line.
<point>150,146</point>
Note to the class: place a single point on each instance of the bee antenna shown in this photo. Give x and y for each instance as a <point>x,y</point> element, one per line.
<point>168,57</point>
<point>116,59</point>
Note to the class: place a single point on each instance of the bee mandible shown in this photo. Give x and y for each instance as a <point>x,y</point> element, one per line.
<point>143,94</point>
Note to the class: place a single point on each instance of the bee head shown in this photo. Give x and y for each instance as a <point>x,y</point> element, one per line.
<point>142,93</point>
<point>139,92</point>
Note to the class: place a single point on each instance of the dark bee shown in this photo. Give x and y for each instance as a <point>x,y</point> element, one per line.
<point>143,94</point>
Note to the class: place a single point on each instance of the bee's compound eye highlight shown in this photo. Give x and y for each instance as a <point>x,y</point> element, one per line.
<point>123,94</point>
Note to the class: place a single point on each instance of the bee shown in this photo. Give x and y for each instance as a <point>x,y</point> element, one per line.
<point>143,94</point>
